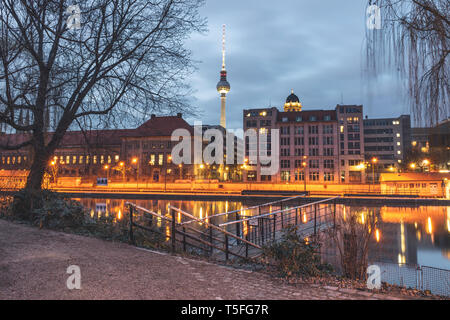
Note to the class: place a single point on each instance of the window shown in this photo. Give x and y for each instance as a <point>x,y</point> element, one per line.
<point>285,141</point>
<point>313,141</point>
<point>160,159</point>
<point>328,164</point>
<point>285,152</point>
<point>285,164</point>
<point>328,176</point>
<point>314,164</point>
<point>328,152</point>
<point>314,152</point>
<point>80,159</point>
<point>299,130</point>
<point>299,119</point>
<point>328,140</point>
<point>313,129</point>
<point>314,176</point>
<point>312,118</point>
<point>152,161</point>
<point>252,176</point>
<point>327,118</point>
<point>285,176</point>
<point>284,119</point>
<point>299,176</point>
<point>299,152</point>
<point>328,129</point>
<point>284,130</point>
<point>299,141</point>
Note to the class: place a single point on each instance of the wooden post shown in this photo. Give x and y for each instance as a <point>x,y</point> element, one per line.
<point>131,236</point>
<point>173,231</point>
<point>262,229</point>
<point>296,216</point>
<point>211,239</point>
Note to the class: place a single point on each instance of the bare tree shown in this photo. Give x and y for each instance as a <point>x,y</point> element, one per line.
<point>414,40</point>
<point>352,236</point>
<point>87,62</point>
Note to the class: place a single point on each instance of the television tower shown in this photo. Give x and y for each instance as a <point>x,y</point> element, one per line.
<point>223,87</point>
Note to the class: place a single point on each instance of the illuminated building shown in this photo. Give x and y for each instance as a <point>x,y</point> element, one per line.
<point>316,146</point>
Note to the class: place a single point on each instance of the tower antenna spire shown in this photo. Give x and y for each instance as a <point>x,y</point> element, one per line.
<point>223,46</point>
<point>223,87</point>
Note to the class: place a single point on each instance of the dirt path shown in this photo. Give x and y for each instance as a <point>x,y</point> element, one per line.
<point>33,265</point>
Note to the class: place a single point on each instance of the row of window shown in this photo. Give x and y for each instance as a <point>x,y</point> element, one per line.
<point>300,176</point>
<point>313,163</point>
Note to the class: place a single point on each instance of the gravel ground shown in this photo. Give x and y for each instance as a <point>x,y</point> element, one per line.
<point>33,265</point>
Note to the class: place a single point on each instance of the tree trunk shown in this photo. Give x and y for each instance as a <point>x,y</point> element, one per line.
<point>31,198</point>
<point>37,170</point>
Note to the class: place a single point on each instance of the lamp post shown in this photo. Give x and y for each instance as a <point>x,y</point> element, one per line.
<point>106,167</point>
<point>122,166</point>
<point>169,158</point>
<point>136,161</point>
<point>54,171</point>
<point>374,161</point>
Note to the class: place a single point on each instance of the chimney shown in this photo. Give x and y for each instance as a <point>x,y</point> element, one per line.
<point>153,116</point>
<point>179,115</point>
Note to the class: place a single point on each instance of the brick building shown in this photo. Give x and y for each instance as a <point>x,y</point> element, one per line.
<point>316,146</point>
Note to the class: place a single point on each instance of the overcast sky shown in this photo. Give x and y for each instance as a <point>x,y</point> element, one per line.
<point>313,47</point>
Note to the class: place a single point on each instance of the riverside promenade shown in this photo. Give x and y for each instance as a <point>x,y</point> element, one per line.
<point>33,265</point>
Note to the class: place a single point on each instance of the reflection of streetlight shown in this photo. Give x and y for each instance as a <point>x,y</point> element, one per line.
<point>412,166</point>
<point>169,159</point>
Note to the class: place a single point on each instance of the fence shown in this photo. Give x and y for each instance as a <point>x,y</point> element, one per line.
<point>423,278</point>
<point>243,235</point>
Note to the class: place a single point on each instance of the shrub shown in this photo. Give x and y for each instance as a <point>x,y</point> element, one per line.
<point>53,211</point>
<point>293,256</point>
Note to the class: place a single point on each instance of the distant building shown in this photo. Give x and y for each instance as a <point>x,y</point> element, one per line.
<point>388,140</point>
<point>144,151</point>
<point>433,143</point>
<point>431,184</point>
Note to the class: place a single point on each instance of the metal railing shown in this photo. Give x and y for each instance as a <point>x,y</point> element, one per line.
<point>242,236</point>
<point>423,278</point>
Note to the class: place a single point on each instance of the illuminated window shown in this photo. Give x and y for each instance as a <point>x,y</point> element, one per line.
<point>160,159</point>
<point>398,143</point>
<point>152,160</point>
<point>116,157</point>
<point>74,159</point>
<point>88,159</point>
<point>80,159</point>
<point>19,159</point>
<point>8,161</point>
<point>95,160</point>
<point>14,160</point>
<point>67,159</point>
<point>102,159</point>
<point>109,159</point>
<point>398,135</point>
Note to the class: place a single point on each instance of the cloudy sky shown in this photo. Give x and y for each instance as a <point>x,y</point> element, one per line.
<point>313,47</point>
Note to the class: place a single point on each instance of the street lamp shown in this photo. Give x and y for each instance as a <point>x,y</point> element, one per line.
<point>412,166</point>
<point>136,162</point>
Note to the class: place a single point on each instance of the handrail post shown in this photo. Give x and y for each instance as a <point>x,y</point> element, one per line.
<point>173,230</point>
<point>210,240</point>
<point>246,238</point>
<point>184,239</point>
<point>238,230</point>
<point>274,226</point>
<point>315,220</point>
<point>226,247</point>
<point>131,236</point>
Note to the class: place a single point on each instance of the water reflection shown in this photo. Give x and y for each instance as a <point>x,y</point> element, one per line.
<point>419,235</point>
